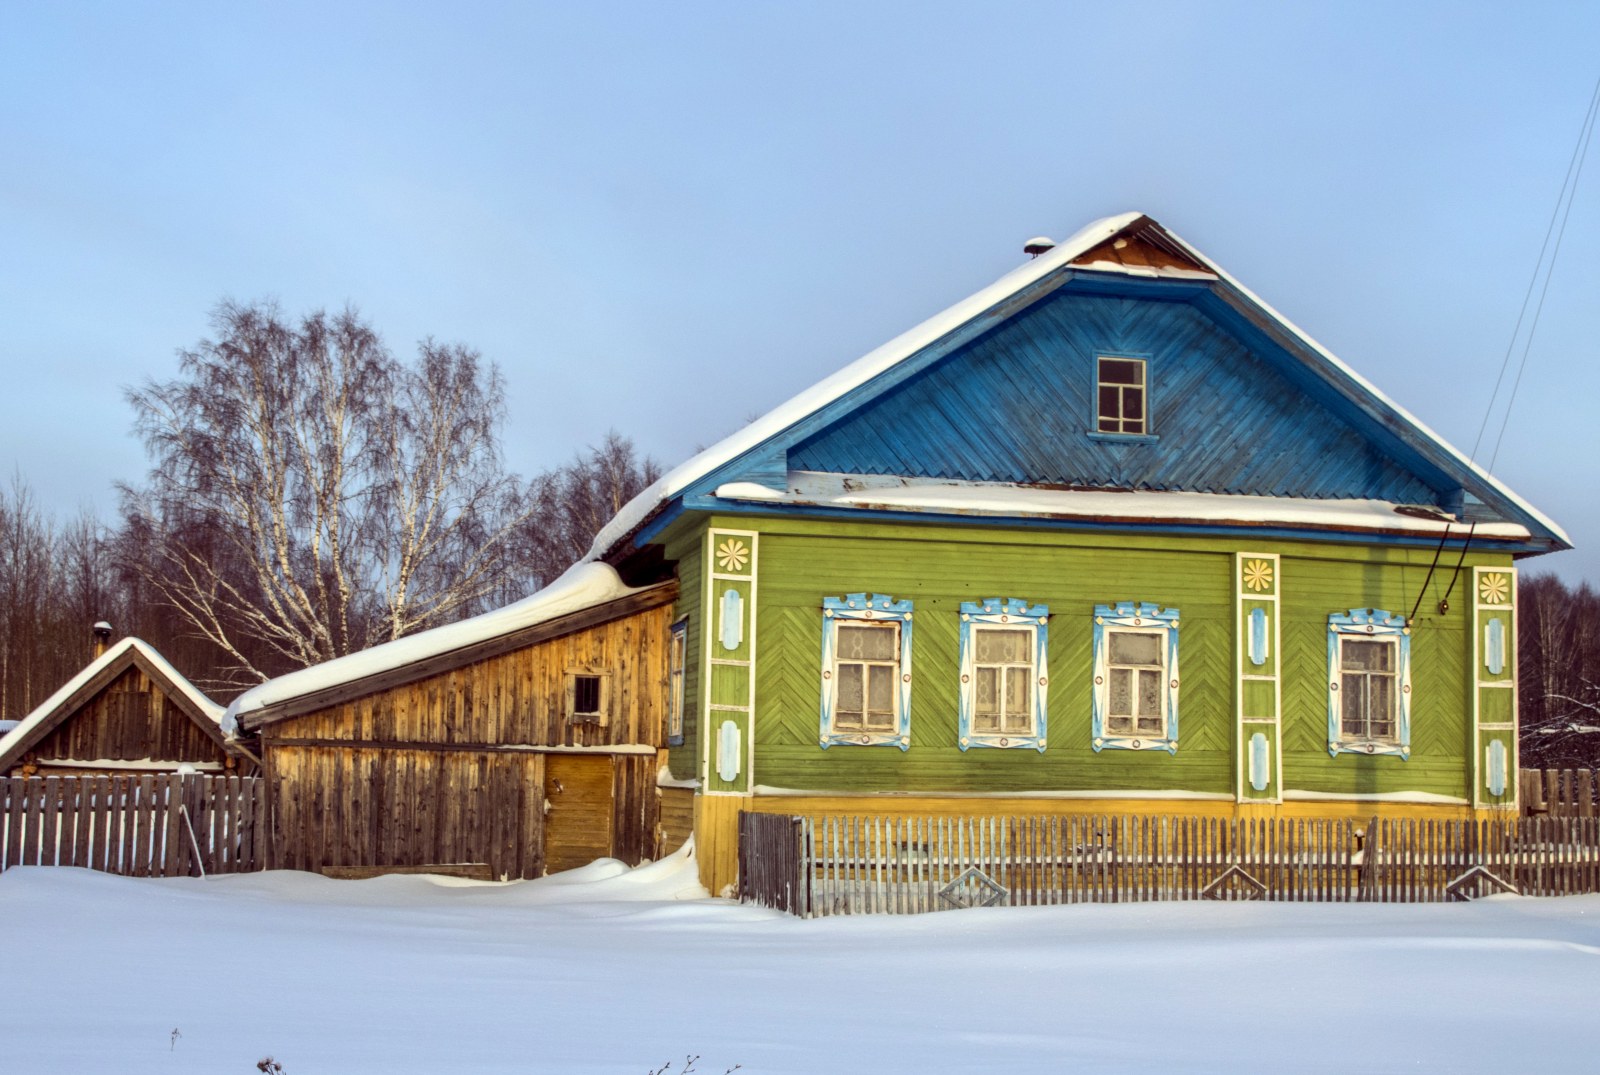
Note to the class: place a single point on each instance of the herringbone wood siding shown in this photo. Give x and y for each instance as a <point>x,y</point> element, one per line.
<point>1228,422</point>
<point>938,568</point>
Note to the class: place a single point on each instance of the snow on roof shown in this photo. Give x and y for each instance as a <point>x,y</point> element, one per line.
<point>1417,423</point>
<point>907,344</point>
<point>850,377</point>
<point>582,586</point>
<point>1005,499</point>
<point>45,709</point>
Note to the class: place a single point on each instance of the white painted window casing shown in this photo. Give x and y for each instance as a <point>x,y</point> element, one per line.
<point>1003,674</point>
<point>866,671</point>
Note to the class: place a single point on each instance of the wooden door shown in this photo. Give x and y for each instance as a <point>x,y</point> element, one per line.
<point>577,823</point>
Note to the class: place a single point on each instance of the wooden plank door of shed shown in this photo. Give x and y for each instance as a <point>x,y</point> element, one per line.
<point>577,824</point>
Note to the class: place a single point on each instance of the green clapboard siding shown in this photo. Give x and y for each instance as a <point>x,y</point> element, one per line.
<point>938,567</point>
<point>1440,701</point>
<point>685,759</point>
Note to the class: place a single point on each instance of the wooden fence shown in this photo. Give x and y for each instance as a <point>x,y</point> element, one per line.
<point>1558,792</point>
<point>860,865</point>
<point>140,826</point>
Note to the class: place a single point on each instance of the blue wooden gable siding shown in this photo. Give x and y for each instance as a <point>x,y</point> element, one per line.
<point>1017,405</point>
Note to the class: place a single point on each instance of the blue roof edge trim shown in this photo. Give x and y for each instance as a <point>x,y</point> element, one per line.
<point>710,504</point>
<point>1392,429</point>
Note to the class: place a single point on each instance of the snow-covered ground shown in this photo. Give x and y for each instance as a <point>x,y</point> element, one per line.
<point>617,971</point>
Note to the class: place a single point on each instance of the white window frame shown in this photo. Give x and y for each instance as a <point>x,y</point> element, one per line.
<point>1138,618</point>
<point>677,661</point>
<point>1008,614</point>
<point>865,608</point>
<point>1121,418</point>
<point>1369,625</point>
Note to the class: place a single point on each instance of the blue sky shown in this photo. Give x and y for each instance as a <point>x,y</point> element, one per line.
<point>668,218</point>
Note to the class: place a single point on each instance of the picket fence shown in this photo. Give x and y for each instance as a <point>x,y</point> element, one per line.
<point>815,866</point>
<point>1559,792</point>
<point>139,826</point>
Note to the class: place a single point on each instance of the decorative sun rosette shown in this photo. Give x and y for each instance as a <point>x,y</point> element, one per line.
<point>1494,589</point>
<point>732,555</point>
<point>1258,574</point>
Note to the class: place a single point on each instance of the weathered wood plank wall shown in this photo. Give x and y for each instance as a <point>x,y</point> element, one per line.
<point>457,767</point>
<point>133,719</point>
<point>1559,792</point>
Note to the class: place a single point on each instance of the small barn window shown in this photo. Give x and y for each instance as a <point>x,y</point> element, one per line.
<point>866,671</point>
<point>587,697</point>
<point>1120,391</point>
<point>1003,678</point>
<point>1135,698</point>
<point>676,659</point>
<point>1369,683</point>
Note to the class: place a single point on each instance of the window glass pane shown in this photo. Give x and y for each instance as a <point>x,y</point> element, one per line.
<point>1380,706</point>
<point>1002,647</point>
<point>1110,402</point>
<point>1121,694</point>
<point>1150,694</point>
<point>1357,655</point>
<point>848,698</point>
<point>1133,425</point>
<point>1150,725</point>
<point>586,694</point>
<point>1352,710</point>
<point>1121,371</point>
<point>1119,725</point>
<point>1128,647</point>
<point>1018,718</point>
<point>874,643</point>
<point>880,688</point>
<point>1133,403</point>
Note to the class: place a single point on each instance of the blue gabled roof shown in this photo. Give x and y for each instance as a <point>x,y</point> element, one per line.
<point>996,389</point>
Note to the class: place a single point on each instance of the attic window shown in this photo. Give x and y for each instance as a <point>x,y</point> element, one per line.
<point>1120,392</point>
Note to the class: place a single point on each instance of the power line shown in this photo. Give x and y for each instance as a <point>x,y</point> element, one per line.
<point>1562,210</point>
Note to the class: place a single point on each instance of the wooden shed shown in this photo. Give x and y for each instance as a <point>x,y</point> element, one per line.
<point>525,740</point>
<point>128,711</point>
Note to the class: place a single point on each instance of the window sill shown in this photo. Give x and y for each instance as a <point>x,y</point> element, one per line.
<point>1370,747</point>
<point>1123,438</point>
<point>1129,742</point>
<point>866,739</point>
<point>1004,742</point>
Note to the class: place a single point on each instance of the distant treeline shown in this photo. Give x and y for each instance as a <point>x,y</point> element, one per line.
<point>58,577</point>
<point>1558,678</point>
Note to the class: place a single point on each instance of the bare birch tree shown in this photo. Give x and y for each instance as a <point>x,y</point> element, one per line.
<point>574,501</point>
<point>310,495</point>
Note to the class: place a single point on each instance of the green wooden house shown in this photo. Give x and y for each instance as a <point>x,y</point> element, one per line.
<point>1110,534</point>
